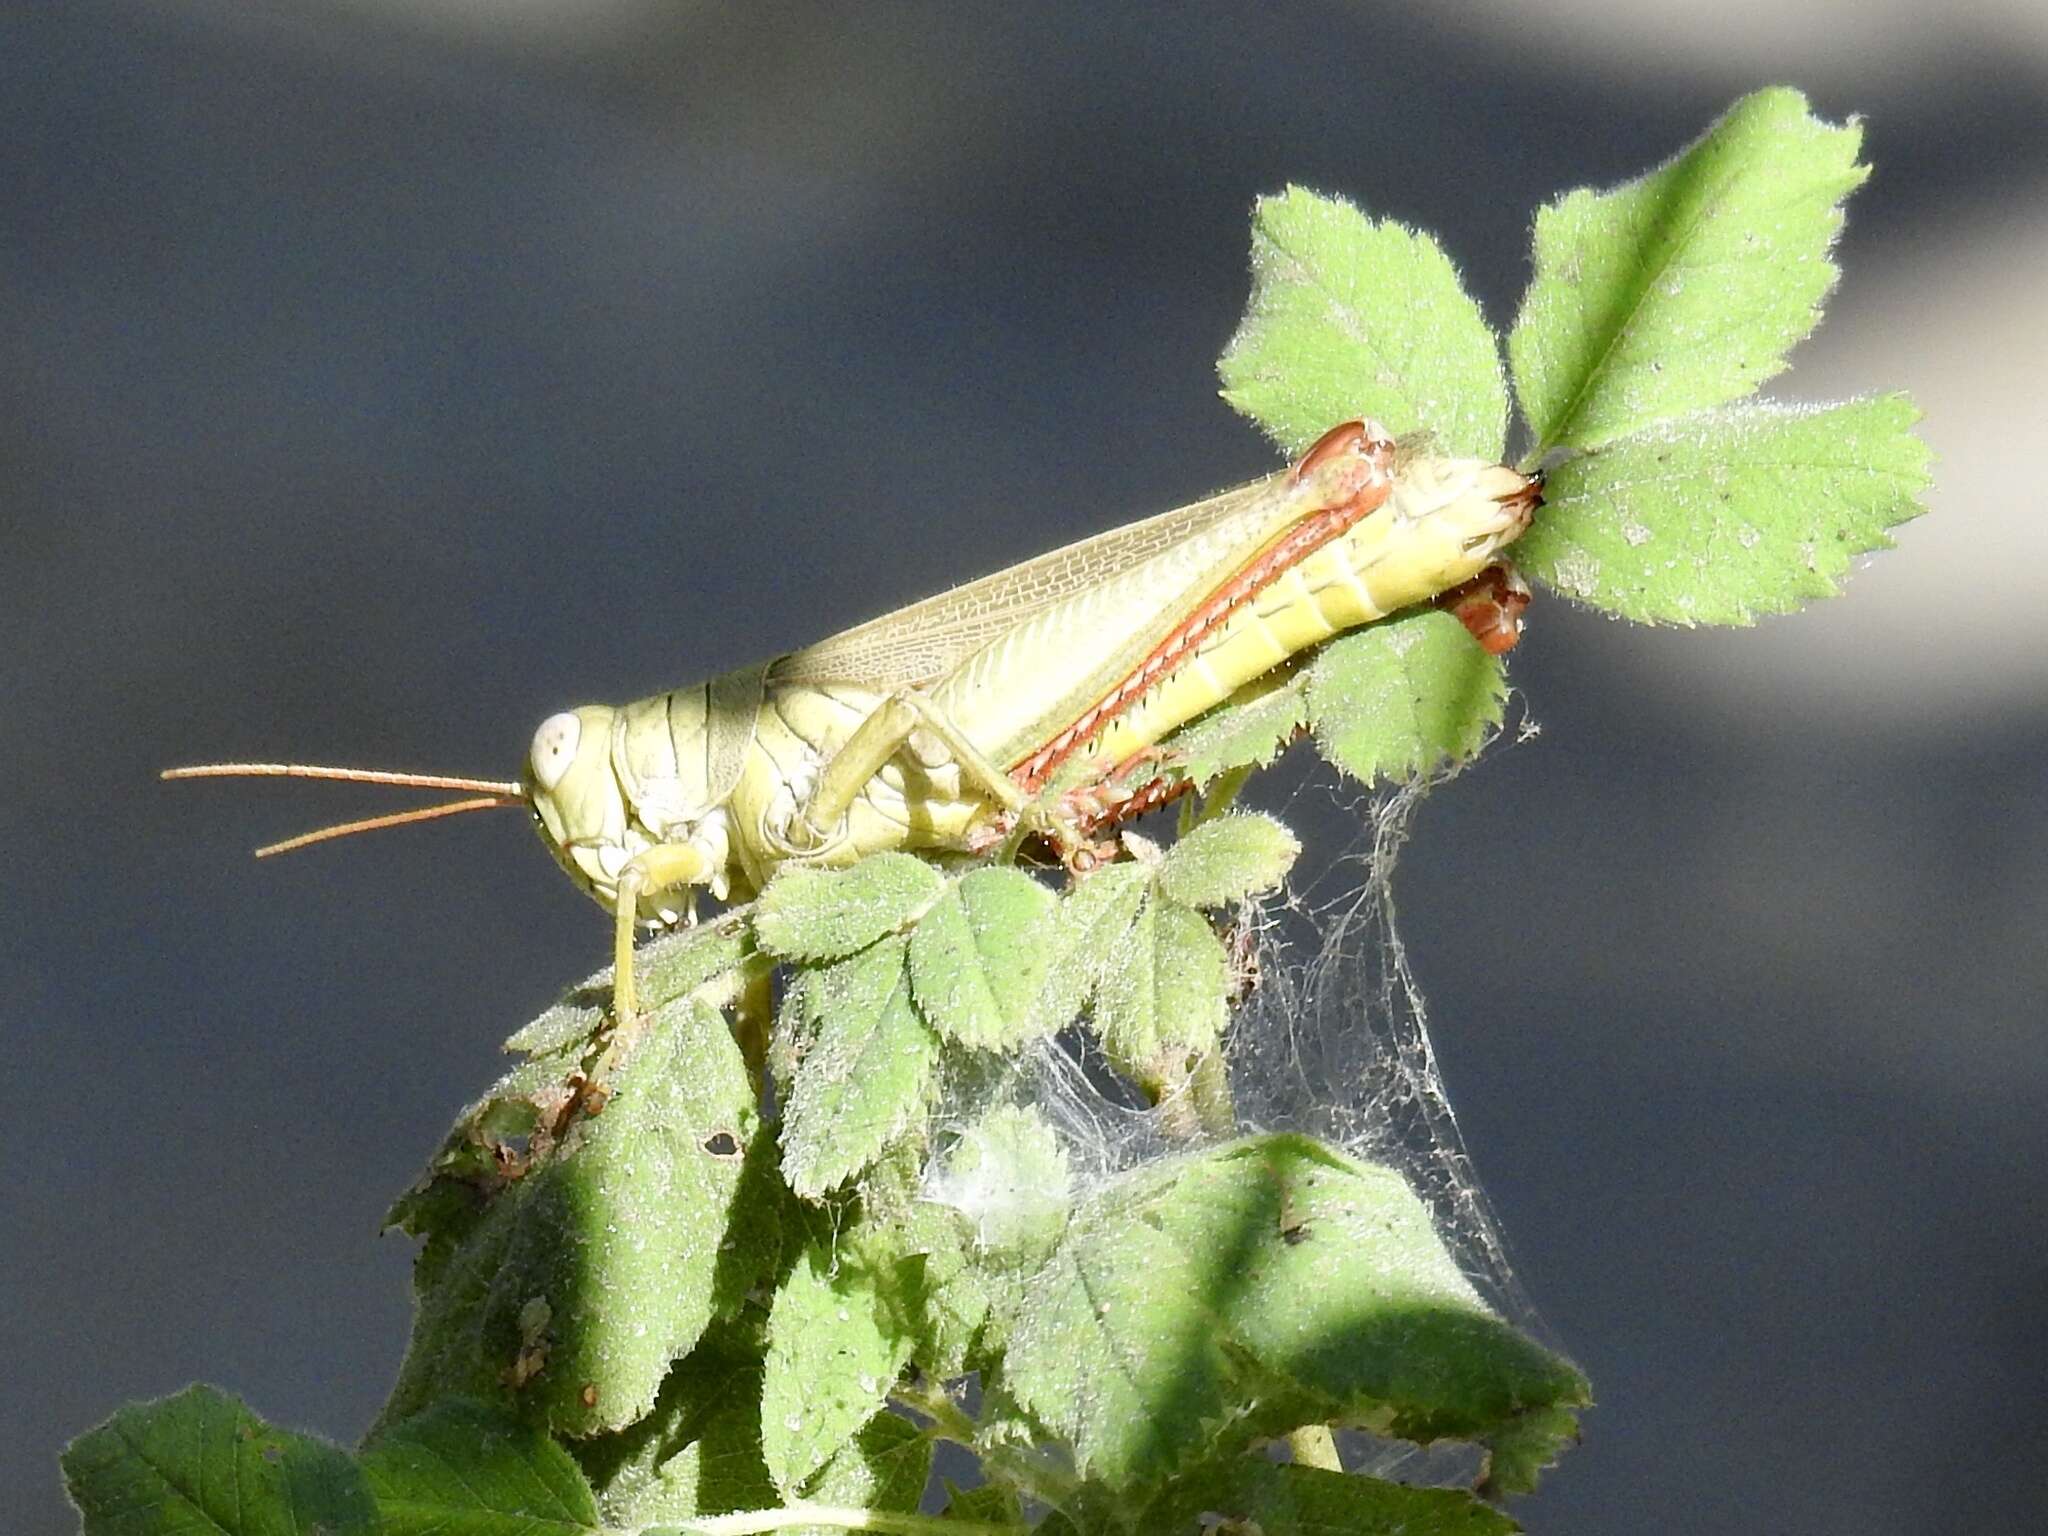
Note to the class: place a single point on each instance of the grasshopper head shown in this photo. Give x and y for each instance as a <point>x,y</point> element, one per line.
<point>587,778</point>
<point>577,803</point>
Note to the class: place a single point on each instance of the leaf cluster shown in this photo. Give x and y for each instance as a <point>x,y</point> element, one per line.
<point>728,1271</point>
<point>1674,494</point>
<point>645,1305</point>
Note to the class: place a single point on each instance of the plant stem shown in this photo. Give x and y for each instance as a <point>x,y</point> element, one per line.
<point>934,1402</point>
<point>1209,1088</point>
<point>751,1522</point>
<point>1030,1472</point>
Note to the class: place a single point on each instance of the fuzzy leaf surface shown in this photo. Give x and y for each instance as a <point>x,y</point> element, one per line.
<point>1686,289</point>
<point>1247,730</point>
<point>1353,316</point>
<point>1401,697</point>
<point>1287,1500</point>
<point>1080,936</point>
<point>582,1280</point>
<point>808,913</point>
<point>201,1464</point>
<point>1717,518</point>
<point>954,1287</point>
<point>835,1348</point>
<point>977,960</point>
<point>464,1468</point>
<point>1163,991</point>
<point>1264,1284</point>
<point>861,1080</point>
<point>883,1467</point>
<point>699,1451</point>
<point>667,968</point>
<point>1224,861</point>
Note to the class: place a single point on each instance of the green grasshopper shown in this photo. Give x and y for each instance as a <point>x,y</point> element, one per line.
<point>999,709</point>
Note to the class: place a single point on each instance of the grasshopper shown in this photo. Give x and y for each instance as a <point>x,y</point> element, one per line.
<point>988,713</point>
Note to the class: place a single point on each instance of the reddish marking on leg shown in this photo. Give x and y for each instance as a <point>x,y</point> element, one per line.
<point>1361,494</point>
<point>1148,796</point>
<point>1491,606</point>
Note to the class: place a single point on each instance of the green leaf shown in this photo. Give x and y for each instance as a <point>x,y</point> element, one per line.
<point>1251,1494</point>
<point>1247,730</point>
<point>976,960</point>
<point>668,967</point>
<point>1112,1348</point>
<point>699,1451</point>
<point>1226,860</point>
<point>519,1125</point>
<point>954,1288</point>
<point>861,1081</point>
<point>200,1464</point>
<point>809,913</point>
<point>1686,289</point>
<point>993,1503</point>
<point>1519,1451</point>
<point>581,1281</point>
<point>1080,938</point>
<point>836,1344</point>
<point>884,1467</point>
<point>1347,1292</point>
<point>1398,698</point>
<point>1008,1179</point>
<point>1268,1283</point>
<point>1162,997</point>
<point>1720,517</point>
<point>1352,316</point>
<point>464,1468</point>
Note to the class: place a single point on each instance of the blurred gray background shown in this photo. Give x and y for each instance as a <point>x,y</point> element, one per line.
<point>377,379</point>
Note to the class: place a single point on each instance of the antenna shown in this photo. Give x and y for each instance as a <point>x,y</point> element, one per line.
<point>490,794</point>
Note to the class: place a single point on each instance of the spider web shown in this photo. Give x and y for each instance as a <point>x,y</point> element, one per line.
<point>1332,1041</point>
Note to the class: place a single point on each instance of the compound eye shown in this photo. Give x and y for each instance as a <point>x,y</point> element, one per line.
<point>554,749</point>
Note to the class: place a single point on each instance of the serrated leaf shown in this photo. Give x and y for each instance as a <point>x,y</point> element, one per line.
<point>581,1281</point>
<point>1007,1178</point>
<point>1080,935</point>
<point>992,1503</point>
<point>517,1126</point>
<point>976,960</point>
<point>1271,1282</point>
<point>465,1468</point>
<point>861,1082</point>
<point>1685,289</point>
<point>667,968</point>
<point>1247,730</point>
<point>1521,1450</point>
<point>1350,1295</point>
<point>698,1452</point>
<point>836,1343</point>
<point>1351,316</point>
<point>1280,1500</point>
<point>200,1464</point>
<point>954,1288</point>
<point>1403,696</point>
<point>1163,994</point>
<point>1717,518</point>
<point>884,1467</point>
<point>809,913</point>
<point>1226,860</point>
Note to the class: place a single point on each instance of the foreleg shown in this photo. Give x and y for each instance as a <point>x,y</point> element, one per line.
<point>877,739</point>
